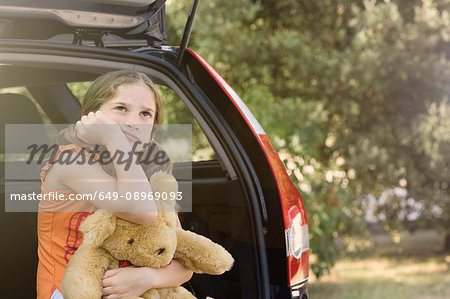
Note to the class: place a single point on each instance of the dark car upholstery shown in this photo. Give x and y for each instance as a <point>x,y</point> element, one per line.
<point>17,230</point>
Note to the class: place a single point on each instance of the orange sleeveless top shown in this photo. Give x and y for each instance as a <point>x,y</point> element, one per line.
<point>58,232</point>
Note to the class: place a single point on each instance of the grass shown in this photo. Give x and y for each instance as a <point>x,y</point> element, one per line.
<point>406,269</point>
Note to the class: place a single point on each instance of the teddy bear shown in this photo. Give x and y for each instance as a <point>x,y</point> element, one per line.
<point>109,241</point>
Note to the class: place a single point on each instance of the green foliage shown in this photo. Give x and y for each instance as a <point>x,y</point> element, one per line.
<point>79,89</point>
<point>354,95</point>
<point>176,112</point>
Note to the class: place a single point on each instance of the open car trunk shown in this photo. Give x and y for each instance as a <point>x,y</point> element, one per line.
<point>43,63</point>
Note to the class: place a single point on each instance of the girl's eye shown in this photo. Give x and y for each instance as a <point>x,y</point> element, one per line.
<point>146,114</point>
<point>120,108</point>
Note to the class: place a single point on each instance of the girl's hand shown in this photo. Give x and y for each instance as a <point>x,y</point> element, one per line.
<point>97,128</point>
<point>126,282</point>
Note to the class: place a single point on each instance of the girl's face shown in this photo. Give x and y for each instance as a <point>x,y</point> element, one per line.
<point>133,108</point>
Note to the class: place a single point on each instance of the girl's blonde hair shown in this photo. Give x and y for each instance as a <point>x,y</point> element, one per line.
<point>104,88</point>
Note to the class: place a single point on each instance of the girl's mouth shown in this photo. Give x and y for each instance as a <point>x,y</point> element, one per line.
<point>130,135</point>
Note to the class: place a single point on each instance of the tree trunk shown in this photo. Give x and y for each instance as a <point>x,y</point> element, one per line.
<point>447,242</point>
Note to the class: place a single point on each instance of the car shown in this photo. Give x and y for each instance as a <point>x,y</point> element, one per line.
<point>242,196</point>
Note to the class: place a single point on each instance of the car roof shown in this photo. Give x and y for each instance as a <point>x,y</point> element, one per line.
<point>132,20</point>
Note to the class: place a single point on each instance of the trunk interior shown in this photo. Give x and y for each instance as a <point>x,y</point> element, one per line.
<point>220,207</point>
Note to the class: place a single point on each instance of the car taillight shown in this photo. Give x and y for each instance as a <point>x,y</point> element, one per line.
<point>294,215</point>
<point>297,246</point>
<point>295,223</point>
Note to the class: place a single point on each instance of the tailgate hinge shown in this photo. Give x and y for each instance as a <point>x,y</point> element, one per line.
<point>81,35</point>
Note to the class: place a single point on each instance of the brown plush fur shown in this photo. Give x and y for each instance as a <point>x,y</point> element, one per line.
<point>106,242</point>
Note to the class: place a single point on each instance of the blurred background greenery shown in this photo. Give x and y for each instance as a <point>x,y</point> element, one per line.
<point>355,97</point>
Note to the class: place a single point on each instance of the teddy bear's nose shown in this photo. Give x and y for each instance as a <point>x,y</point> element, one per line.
<point>160,251</point>
<point>131,241</point>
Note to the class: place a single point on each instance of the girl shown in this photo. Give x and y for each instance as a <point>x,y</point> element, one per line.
<point>118,111</point>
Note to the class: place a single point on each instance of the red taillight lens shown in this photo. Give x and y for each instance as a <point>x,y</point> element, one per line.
<point>296,226</point>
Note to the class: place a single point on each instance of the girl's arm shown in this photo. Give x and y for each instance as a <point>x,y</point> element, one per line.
<point>129,281</point>
<point>132,180</point>
<point>91,180</point>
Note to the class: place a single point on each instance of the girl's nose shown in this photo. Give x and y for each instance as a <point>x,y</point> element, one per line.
<point>132,123</point>
<point>131,120</point>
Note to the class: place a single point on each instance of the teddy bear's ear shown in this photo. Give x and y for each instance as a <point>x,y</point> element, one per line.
<point>97,227</point>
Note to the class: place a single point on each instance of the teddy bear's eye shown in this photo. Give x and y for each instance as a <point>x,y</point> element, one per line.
<point>160,251</point>
<point>131,241</point>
